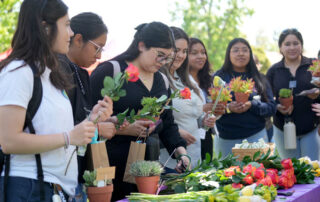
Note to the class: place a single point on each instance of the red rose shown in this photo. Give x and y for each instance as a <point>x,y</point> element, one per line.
<point>132,72</point>
<point>230,171</point>
<point>248,179</point>
<point>265,181</point>
<point>273,175</point>
<point>249,169</point>
<point>286,163</point>
<point>185,93</point>
<point>258,174</point>
<point>283,182</point>
<point>261,165</point>
<point>275,171</point>
<point>237,185</point>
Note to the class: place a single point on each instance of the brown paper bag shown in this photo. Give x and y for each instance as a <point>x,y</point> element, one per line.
<point>97,156</point>
<point>137,152</point>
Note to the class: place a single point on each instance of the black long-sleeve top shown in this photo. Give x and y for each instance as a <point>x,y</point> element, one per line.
<point>246,124</point>
<point>279,77</point>
<point>118,146</point>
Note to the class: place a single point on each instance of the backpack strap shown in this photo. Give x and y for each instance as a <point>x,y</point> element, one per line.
<point>32,108</point>
<point>116,67</point>
<point>165,79</point>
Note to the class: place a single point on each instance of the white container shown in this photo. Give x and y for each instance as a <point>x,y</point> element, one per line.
<point>290,137</point>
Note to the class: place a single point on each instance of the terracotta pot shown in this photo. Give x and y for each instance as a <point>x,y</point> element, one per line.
<point>316,74</point>
<point>100,194</point>
<point>241,97</point>
<point>147,185</point>
<point>287,102</point>
<point>220,108</point>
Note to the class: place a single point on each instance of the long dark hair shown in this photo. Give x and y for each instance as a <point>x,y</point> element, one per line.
<point>89,25</point>
<point>154,34</point>
<point>287,32</point>
<point>32,44</point>
<point>204,77</point>
<point>183,70</point>
<point>251,68</point>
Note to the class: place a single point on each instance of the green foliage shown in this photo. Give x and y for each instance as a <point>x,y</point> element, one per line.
<point>90,179</point>
<point>303,172</point>
<point>146,168</point>
<point>9,10</point>
<point>112,86</point>
<point>214,22</point>
<point>266,192</point>
<point>285,93</point>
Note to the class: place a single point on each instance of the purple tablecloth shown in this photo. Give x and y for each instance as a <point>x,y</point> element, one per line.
<point>302,193</point>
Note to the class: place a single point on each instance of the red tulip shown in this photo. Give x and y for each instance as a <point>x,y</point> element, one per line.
<point>286,163</point>
<point>258,174</point>
<point>185,93</point>
<point>248,179</point>
<point>132,72</point>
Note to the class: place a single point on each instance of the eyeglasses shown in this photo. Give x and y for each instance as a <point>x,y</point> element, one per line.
<point>238,50</point>
<point>163,59</point>
<point>99,48</point>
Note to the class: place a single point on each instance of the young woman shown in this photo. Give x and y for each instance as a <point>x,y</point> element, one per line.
<point>90,35</point>
<point>246,120</point>
<point>292,72</point>
<point>190,111</point>
<point>151,48</point>
<point>43,31</point>
<point>199,68</point>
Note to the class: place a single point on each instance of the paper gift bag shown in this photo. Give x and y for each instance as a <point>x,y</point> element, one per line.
<point>97,156</point>
<point>137,152</point>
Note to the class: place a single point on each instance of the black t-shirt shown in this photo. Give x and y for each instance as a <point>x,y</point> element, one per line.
<point>279,77</point>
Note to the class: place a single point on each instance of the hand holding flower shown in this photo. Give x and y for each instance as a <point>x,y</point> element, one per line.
<point>103,109</point>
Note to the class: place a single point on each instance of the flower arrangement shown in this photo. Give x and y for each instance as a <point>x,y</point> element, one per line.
<point>315,68</point>
<point>112,86</point>
<point>238,85</point>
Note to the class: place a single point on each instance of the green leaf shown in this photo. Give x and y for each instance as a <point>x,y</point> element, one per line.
<point>122,93</point>
<point>115,98</point>
<point>108,83</point>
<point>161,99</point>
<point>103,92</point>
<point>179,189</point>
<point>117,78</point>
<point>256,155</point>
<point>236,179</point>
<point>208,158</point>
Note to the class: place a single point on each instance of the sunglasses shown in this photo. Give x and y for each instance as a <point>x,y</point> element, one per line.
<point>163,59</point>
<point>99,48</point>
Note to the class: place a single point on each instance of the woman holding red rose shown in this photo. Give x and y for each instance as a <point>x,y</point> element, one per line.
<point>151,48</point>
<point>190,116</point>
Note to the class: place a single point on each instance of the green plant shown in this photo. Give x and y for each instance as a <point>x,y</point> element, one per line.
<point>225,94</point>
<point>315,67</point>
<point>146,168</point>
<point>285,93</point>
<point>90,179</point>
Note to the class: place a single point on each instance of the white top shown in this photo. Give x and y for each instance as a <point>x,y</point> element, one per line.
<point>53,116</point>
<point>190,110</point>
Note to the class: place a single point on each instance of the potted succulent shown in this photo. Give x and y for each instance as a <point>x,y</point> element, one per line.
<point>147,175</point>
<point>223,100</point>
<point>241,88</point>
<point>97,190</point>
<point>285,97</point>
<point>315,71</point>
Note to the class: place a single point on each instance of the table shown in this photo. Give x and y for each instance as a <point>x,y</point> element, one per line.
<point>303,193</point>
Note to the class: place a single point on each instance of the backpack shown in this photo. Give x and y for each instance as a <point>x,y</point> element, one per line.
<point>32,108</point>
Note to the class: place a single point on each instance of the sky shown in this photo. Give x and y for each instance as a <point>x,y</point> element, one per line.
<point>270,17</point>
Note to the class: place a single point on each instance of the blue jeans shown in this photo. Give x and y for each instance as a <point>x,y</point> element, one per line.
<point>307,145</point>
<point>20,189</point>
<point>81,196</point>
<point>225,146</point>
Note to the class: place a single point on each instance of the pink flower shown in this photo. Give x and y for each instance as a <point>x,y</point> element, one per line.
<point>248,179</point>
<point>132,72</point>
<point>249,169</point>
<point>286,163</point>
<point>185,93</point>
<point>258,174</point>
<point>237,185</point>
<point>273,175</point>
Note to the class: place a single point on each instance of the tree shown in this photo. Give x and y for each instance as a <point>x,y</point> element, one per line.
<point>9,10</point>
<point>214,22</point>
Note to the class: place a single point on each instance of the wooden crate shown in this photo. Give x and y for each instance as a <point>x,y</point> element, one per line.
<point>241,153</point>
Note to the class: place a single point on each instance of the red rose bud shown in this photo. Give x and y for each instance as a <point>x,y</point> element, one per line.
<point>132,72</point>
<point>185,93</point>
<point>273,176</point>
<point>283,182</point>
<point>249,169</point>
<point>286,163</point>
<point>237,185</point>
<point>248,179</point>
<point>258,174</point>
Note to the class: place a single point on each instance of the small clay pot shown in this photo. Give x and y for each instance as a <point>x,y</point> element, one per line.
<point>100,194</point>
<point>147,185</point>
<point>316,74</point>
<point>220,108</point>
<point>241,97</point>
<point>286,102</point>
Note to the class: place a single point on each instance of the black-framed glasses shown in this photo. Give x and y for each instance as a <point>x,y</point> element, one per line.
<point>164,59</point>
<point>99,48</point>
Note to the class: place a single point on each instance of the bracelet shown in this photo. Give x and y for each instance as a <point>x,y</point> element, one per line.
<point>66,136</point>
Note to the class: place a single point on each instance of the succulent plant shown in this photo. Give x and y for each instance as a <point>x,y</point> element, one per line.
<point>90,179</point>
<point>285,93</point>
<point>146,168</point>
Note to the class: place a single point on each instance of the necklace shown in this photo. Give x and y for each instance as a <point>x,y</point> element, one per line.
<point>75,67</point>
